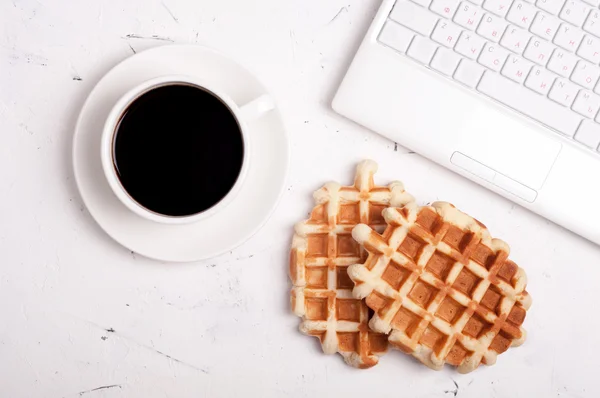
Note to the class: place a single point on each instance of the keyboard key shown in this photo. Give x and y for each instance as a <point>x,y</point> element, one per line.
<point>594,3</point>
<point>498,7</point>
<point>563,92</point>
<point>587,104</point>
<point>590,49</point>
<point>445,8</point>
<point>424,3</point>
<point>468,15</point>
<point>414,17</point>
<point>588,134</point>
<point>585,74</point>
<point>422,49</point>
<point>597,88</point>
<point>515,39</point>
<point>396,36</point>
<point>492,27</point>
<point>592,23</point>
<point>540,80</point>
<point>539,51</point>
<point>568,37</point>
<point>529,103</point>
<point>562,62</point>
<point>468,73</point>
<point>493,56</point>
<point>516,68</point>
<point>545,25</point>
<point>551,6</point>
<point>446,33</point>
<point>521,14</point>
<point>445,61</point>
<point>469,45</point>
<point>574,12</point>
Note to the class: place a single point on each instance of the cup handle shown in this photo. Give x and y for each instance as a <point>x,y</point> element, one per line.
<point>257,107</point>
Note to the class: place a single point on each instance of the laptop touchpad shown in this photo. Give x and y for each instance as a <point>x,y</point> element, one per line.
<point>514,149</point>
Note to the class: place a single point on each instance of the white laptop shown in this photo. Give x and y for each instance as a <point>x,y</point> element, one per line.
<point>503,92</point>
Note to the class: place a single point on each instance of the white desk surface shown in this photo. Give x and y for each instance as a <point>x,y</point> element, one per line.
<point>82,316</point>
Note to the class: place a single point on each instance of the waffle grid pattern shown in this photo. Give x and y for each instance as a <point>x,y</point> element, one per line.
<point>322,250</point>
<point>443,287</point>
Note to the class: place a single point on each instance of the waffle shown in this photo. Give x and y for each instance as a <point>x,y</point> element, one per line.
<point>443,287</point>
<point>322,250</point>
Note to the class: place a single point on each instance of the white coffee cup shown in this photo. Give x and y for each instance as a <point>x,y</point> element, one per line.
<point>243,114</point>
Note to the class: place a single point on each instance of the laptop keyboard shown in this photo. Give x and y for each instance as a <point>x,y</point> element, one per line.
<point>539,58</point>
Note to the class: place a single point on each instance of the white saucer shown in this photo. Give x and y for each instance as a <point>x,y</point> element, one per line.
<point>219,233</point>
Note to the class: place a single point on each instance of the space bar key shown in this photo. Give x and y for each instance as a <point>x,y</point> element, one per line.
<point>529,103</point>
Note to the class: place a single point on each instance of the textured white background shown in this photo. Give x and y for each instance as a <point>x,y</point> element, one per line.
<point>82,316</point>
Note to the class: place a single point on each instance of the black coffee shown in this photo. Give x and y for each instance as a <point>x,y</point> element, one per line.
<point>178,150</point>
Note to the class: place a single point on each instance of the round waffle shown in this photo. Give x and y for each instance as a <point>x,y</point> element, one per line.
<point>442,286</point>
<point>322,250</point>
